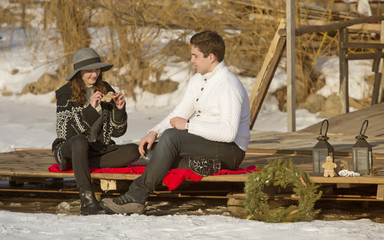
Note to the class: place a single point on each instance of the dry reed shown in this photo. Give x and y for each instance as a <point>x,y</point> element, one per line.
<point>133,29</point>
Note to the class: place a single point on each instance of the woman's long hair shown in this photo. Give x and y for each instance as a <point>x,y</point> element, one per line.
<point>78,87</point>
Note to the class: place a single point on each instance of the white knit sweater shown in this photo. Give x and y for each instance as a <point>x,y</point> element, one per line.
<point>217,107</point>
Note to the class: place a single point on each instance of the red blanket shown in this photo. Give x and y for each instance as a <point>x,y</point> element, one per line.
<point>173,178</point>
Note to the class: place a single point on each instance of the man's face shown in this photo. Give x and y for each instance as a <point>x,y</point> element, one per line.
<point>202,64</point>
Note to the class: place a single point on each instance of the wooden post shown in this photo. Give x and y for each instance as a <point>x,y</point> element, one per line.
<point>343,66</point>
<point>380,98</point>
<point>107,185</point>
<point>45,6</point>
<point>377,63</point>
<point>23,16</point>
<point>291,97</point>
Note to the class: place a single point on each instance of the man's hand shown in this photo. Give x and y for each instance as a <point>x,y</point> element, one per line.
<point>178,123</point>
<point>149,139</point>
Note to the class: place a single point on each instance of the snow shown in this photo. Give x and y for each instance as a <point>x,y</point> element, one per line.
<point>28,121</point>
<point>358,70</point>
<point>29,226</point>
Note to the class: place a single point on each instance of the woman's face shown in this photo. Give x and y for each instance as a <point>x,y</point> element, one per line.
<point>90,76</point>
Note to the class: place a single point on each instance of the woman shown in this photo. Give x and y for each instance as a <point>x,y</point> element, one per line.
<point>85,124</point>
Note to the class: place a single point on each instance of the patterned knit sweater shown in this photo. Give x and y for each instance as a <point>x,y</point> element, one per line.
<point>74,118</point>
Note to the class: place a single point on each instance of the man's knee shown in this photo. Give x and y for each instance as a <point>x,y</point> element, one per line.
<point>171,134</point>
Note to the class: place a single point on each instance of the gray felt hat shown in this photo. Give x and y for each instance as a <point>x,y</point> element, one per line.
<point>87,58</point>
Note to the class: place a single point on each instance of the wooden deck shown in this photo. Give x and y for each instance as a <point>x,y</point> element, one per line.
<point>27,164</point>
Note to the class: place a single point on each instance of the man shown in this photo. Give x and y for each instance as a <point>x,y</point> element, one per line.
<point>207,131</point>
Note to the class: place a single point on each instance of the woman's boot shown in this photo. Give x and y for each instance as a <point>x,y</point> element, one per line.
<point>89,204</point>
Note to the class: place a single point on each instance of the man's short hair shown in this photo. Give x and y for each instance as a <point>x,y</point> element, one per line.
<point>209,42</point>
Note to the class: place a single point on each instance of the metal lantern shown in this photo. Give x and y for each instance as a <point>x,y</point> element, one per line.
<point>321,150</point>
<point>362,152</point>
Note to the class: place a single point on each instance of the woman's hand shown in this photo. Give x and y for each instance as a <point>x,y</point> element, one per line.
<point>119,100</point>
<point>96,99</point>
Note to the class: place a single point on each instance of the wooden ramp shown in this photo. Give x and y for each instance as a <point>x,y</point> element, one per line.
<point>29,165</point>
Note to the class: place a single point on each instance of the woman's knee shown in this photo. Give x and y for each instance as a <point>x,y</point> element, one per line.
<point>79,140</point>
<point>131,150</point>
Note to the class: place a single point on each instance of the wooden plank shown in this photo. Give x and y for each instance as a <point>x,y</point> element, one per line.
<point>215,178</point>
<point>114,176</point>
<point>257,102</point>
<point>254,151</point>
<point>365,199</point>
<point>108,185</point>
<point>36,174</point>
<point>334,26</point>
<point>347,196</point>
<point>346,185</point>
<point>361,56</point>
<point>32,149</point>
<point>350,124</point>
<point>236,201</point>
<point>350,180</point>
<point>316,179</point>
<point>212,178</point>
<point>364,27</point>
<point>226,178</point>
<point>267,60</point>
<point>59,191</point>
<point>117,176</point>
<point>363,45</point>
<point>380,192</point>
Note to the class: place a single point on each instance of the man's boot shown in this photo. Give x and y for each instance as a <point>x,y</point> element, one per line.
<point>204,166</point>
<point>89,204</point>
<point>123,205</point>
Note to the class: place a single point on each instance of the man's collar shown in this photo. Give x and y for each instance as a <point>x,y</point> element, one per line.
<point>210,74</point>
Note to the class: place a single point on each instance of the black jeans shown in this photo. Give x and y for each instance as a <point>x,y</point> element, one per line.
<point>173,150</point>
<point>76,150</point>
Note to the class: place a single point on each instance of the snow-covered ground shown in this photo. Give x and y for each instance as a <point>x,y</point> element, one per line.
<point>15,226</point>
<point>28,121</point>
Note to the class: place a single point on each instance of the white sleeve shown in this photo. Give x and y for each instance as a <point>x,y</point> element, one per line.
<point>184,109</point>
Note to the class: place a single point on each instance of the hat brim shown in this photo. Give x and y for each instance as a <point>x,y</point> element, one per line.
<point>103,66</point>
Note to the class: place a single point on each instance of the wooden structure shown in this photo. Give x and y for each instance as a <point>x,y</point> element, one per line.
<point>344,55</point>
<point>277,48</point>
<point>30,165</point>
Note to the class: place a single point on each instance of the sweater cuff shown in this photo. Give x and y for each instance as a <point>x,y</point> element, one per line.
<point>120,115</point>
